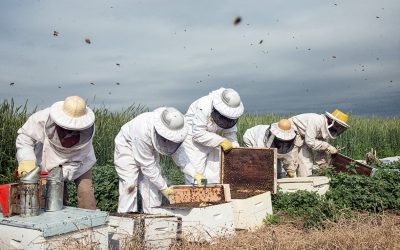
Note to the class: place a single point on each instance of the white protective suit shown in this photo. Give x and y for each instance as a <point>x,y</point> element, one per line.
<point>37,140</point>
<point>200,150</point>
<point>260,137</point>
<point>312,134</point>
<point>138,165</point>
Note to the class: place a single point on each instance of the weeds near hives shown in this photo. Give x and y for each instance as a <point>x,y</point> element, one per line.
<point>363,231</point>
<point>364,134</point>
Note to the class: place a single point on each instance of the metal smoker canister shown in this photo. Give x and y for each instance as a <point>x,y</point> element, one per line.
<point>28,191</point>
<point>54,190</point>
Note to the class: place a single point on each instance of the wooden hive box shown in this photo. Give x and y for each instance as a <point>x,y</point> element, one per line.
<point>206,212</point>
<point>341,163</point>
<point>251,175</point>
<point>129,231</point>
<point>70,226</point>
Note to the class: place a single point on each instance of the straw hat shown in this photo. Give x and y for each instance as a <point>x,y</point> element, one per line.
<point>72,114</point>
<point>340,117</point>
<point>283,130</point>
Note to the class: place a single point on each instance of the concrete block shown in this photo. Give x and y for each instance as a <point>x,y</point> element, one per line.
<point>249,213</point>
<point>203,223</point>
<point>320,184</point>
<point>142,230</point>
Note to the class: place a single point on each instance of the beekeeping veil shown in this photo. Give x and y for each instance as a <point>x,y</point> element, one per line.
<point>282,136</point>
<point>227,108</point>
<point>170,130</point>
<point>336,123</point>
<point>71,124</point>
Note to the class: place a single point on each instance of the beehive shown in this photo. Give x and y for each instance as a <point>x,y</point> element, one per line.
<point>251,175</point>
<point>319,184</point>
<point>54,230</point>
<point>128,231</point>
<point>206,212</point>
<point>342,163</point>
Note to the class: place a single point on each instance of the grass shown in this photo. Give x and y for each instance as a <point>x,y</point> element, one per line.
<point>363,231</point>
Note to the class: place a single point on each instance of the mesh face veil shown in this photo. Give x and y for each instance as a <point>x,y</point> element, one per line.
<point>335,128</point>
<point>165,146</point>
<point>283,147</point>
<point>222,121</point>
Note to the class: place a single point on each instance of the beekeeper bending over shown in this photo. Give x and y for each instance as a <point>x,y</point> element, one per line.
<point>137,160</point>
<point>61,135</point>
<point>313,133</point>
<point>279,135</point>
<point>212,124</point>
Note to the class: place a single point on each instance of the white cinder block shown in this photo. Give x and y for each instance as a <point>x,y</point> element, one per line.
<point>320,184</point>
<point>154,232</point>
<point>249,213</point>
<point>203,223</point>
<point>26,238</point>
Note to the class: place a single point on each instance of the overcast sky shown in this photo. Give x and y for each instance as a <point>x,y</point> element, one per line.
<point>283,57</point>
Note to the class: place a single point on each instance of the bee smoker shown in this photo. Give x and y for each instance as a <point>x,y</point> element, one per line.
<point>54,190</point>
<point>28,192</point>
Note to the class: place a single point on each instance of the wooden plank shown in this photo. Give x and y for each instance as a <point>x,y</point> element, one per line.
<point>185,194</point>
<point>249,171</point>
<point>340,163</point>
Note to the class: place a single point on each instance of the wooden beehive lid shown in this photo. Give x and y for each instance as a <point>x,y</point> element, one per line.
<point>249,169</point>
<point>341,162</point>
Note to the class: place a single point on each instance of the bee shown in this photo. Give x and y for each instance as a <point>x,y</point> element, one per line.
<point>237,20</point>
<point>55,33</point>
<point>87,40</point>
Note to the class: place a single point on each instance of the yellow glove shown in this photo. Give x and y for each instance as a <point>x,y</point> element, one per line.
<point>26,166</point>
<point>198,177</point>
<point>226,145</point>
<point>331,149</point>
<point>168,193</point>
<point>290,173</point>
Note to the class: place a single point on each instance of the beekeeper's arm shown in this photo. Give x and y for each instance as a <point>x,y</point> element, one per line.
<point>200,133</point>
<point>150,167</point>
<point>30,134</point>
<point>231,135</point>
<point>311,140</point>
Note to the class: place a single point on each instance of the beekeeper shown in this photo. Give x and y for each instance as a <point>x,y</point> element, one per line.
<point>137,160</point>
<point>212,124</point>
<point>313,133</point>
<point>279,135</point>
<point>61,135</point>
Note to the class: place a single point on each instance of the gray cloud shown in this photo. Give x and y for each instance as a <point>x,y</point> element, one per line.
<point>315,56</point>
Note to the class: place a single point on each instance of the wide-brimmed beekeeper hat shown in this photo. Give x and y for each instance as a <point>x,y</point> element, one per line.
<point>339,117</point>
<point>283,130</point>
<point>72,114</point>
<point>227,102</point>
<point>170,124</point>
